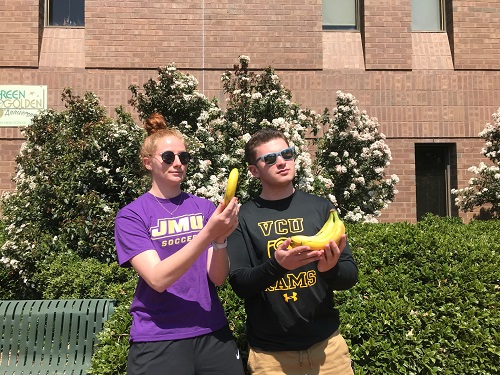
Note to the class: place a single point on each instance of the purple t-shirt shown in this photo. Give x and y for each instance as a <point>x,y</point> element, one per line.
<point>188,308</point>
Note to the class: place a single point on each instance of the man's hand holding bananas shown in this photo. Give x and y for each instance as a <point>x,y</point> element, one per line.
<point>324,247</point>
<point>331,254</point>
<point>333,229</point>
<point>297,257</point>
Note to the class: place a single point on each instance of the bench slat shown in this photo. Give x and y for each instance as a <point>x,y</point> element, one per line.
<point>50,336</point>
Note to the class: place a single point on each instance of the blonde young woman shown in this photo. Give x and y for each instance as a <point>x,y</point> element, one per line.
<point>177,244</point>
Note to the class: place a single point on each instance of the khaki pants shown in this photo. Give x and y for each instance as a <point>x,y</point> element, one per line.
<point>329,357</point>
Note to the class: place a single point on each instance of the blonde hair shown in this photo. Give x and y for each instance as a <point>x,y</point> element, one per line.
<point>157,129</point>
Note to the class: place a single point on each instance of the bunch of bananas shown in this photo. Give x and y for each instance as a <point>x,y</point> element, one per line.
<point>232,183</point>
<point>333,229</point>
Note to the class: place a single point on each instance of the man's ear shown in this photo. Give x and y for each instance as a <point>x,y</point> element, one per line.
<point>254,171</point>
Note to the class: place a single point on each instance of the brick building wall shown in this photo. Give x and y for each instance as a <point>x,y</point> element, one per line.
<point>19,33</point>
<point>476,34</point>
<point>387,34</point>
<point>424,88</point>
<point>285,34</point>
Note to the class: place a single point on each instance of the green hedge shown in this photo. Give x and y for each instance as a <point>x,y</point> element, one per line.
<point>427,301</point>
<point>428,296</point>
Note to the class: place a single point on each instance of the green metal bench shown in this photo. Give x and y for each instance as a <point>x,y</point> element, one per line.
<point>50,336</point>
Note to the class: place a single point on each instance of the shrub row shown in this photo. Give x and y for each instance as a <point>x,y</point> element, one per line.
<point>428,297</point>
<point>427,300</point>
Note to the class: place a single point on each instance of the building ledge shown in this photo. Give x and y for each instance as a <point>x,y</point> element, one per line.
<point>63,48</point>
<point>431,51</point>
<point>343,50</point>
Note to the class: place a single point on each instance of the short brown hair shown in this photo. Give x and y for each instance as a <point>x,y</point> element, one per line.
<point>261,136</point>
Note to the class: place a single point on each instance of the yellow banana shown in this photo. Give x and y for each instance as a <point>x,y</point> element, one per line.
<point>319,240</point>
<point>333,229</point>
<point>232,183</point>
<point>327,225</point>
<point>340,228</point>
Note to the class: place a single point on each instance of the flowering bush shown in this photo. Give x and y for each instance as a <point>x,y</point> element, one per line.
<point>350,162</point>
<point>354,183</point>
<point>74,171</point>
<point>174,95</point>
<point>484,190</point>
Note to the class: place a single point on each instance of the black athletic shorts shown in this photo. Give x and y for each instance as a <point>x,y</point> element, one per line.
<point>212,354</point>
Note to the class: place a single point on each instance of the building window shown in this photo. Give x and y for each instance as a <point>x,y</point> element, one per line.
<point>427,15</point>
<point>66,13</point>
<point>340,14</point>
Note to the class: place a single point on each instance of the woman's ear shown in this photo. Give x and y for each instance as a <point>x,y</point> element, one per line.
<point>147,163</point>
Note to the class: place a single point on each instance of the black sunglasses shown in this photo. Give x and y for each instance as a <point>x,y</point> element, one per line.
<point>271,158</point>
<point>168,157</point>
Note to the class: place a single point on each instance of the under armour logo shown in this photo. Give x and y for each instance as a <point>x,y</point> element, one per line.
<point>292,297</point>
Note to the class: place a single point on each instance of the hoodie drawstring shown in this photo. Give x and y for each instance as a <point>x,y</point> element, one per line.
<point>309,356</point>
<point>301,355</point>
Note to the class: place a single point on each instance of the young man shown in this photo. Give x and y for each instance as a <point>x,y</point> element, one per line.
<point>292,324</point>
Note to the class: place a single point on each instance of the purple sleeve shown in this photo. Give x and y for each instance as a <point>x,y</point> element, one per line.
<point>131,237</point>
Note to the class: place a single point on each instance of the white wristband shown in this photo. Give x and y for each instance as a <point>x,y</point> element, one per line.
<point>218,246</point>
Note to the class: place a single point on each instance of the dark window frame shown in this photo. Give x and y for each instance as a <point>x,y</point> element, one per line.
<point>65,13</point>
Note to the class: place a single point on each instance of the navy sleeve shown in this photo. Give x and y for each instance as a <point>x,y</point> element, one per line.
<point>247,282</point>
<point>246,276</point>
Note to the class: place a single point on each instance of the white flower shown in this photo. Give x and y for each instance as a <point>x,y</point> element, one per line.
<point>244,58</point>
<point>332,199</point>
<point>360,180</point>
<point>340,169</point>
